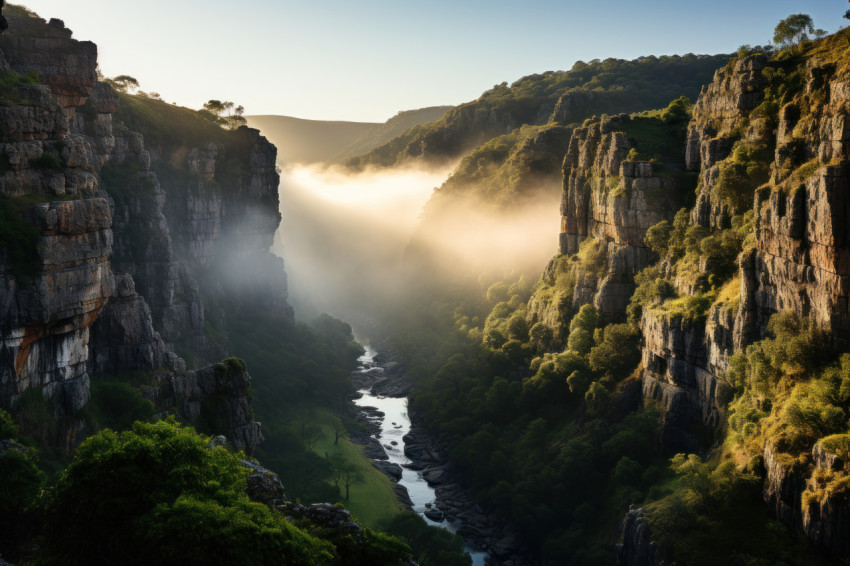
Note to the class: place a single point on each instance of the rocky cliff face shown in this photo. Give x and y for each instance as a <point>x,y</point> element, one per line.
<point>213,399</point>
<point>117,253</point>
<point>801,261</point>
<point>684,360</point>
<point>608,202</point>
<point>796,260</point>
<point>50,181</point>
<point>637,548</point>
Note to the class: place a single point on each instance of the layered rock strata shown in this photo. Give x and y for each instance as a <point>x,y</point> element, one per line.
<point>684,360</point>
<point>611,200</point>
<point>109,285</point>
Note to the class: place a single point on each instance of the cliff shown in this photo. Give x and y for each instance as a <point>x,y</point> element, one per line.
<point>610,198</point>
<point>769,143</point>
<point>739,295</point>
<point>114,229</point>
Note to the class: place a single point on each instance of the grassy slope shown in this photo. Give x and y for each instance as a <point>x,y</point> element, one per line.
<point>317,141</point>
<point>371,501</point>
<point>308,141</point>
<point>395,126</point>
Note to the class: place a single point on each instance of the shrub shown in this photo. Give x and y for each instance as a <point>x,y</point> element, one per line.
<point>592,255</point>
<point>159,494</point>
<point>49,160</point>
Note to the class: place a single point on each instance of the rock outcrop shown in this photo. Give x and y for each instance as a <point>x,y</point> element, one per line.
<point>263,485</point>
<point>214,399</point>
<point>637,548</point>
<point>720,118</point>
<point>608,203</point>
<point>49,180</point>
<point>801,261</point>
<point>107,277</point>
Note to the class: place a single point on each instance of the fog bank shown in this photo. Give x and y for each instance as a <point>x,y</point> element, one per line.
<point>346,238</point>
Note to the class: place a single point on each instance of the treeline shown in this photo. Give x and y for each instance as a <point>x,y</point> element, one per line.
<point>627,86</point>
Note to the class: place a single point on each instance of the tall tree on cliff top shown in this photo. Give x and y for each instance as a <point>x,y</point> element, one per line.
<point>793,30</point>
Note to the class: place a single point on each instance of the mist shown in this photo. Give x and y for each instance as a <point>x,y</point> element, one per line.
<point>354,244</point>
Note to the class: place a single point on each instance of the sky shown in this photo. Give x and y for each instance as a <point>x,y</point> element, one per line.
<point>366,60</point>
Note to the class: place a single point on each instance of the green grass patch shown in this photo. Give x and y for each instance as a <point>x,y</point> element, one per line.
<point>693,307</point>
<point>10,87</point>
<point>371,502</point>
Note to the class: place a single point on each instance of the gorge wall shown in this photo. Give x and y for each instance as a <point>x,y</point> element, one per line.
<point>765,154</point>
<point>119,228</point>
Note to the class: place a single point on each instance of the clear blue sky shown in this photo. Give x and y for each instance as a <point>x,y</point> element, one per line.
<point>365,60</point>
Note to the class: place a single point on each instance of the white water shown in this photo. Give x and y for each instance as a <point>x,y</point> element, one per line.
<point>394,425</point>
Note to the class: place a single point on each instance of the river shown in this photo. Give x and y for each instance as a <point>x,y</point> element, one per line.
<point>394,424</point>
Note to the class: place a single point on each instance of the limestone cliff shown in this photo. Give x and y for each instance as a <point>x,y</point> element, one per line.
<point>608,202</point>
<point>107,275</point>
<point>771,154</point>
<point>685,358</point>
<point>49,179</point>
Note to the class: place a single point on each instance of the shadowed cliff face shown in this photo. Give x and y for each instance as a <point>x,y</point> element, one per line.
<point>114,251</point>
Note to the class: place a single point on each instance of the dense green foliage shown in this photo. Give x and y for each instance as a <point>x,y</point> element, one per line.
<point>117,404</point>
<point>715,515</point>
<point>536,440</point>
<point>294,367</point>
<point>128,497</point>
<point>617,86</point>
<point>512,167</point>
<point>21,485</point>
<point>789,394</point>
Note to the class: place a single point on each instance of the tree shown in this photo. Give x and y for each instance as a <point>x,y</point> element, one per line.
<point>125,83</point>
<point>215,107</point>
<point>311,434</point>
<point>350,476</point>
<point>343,471</point>
<point>678,112</point>
<point>339,430</point>
<point>793,30</point>
<point>233,117</point>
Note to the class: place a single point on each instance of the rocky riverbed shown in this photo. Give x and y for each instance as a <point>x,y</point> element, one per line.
<point>425,481</point>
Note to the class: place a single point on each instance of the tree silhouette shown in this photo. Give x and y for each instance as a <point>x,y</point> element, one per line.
<point>124,83</point>
<point>233,117</point>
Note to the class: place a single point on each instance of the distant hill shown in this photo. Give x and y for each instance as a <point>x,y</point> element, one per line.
<point>317,141</point>
<point>308,141</point>
<point>392,128</point>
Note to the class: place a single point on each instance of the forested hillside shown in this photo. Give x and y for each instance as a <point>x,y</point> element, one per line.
<point>562,97</point>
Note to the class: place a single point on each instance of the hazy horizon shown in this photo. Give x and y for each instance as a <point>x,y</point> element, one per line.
<point>365,62</point>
